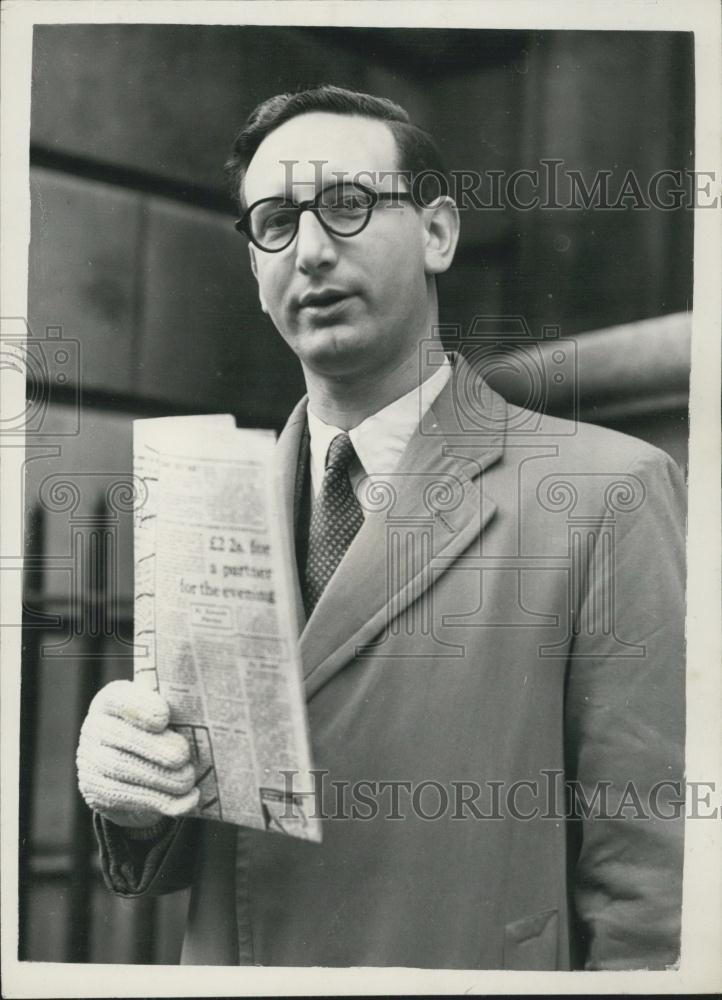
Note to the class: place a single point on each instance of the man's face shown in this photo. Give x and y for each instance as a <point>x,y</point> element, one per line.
<point>345,305</point>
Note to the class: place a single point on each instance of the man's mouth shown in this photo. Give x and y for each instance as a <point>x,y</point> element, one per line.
<point>323,300</point>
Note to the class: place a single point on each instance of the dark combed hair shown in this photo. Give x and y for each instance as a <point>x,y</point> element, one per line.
<point>418,154</point>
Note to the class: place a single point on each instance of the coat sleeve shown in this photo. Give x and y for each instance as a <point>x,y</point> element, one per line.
<point>625,727</point>
<point>164,864</point>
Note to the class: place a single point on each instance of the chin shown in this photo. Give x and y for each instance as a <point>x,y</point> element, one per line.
<point>335,350</point>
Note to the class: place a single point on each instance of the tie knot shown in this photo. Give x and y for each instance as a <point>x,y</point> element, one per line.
<point>341,454</point>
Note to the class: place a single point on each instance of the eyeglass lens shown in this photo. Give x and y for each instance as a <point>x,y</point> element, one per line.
<point>344,209</point>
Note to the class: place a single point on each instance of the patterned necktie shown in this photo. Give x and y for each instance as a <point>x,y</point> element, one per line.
<point>336,518</point>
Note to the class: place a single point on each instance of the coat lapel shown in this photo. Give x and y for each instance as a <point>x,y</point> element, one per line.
<point>289,477</point>
<point>417,522</point>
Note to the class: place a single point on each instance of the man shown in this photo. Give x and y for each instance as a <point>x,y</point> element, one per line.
<point>490,604</point>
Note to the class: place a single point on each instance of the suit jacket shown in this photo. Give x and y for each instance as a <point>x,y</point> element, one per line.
<point>509,619</point>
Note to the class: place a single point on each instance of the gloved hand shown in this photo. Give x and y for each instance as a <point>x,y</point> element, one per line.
<point>132,769</point>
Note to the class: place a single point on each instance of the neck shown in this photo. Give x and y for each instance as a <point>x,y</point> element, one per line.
<point>345,401</point>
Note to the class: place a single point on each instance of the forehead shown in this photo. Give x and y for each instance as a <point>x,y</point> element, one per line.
<point>317,147</point>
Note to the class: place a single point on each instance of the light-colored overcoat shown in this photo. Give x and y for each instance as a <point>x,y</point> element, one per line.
<point>510,615</point>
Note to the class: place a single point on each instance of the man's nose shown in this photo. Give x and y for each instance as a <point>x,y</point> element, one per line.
<point>315,248</point>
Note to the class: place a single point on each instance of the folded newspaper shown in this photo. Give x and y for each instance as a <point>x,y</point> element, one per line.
<point>214,624</point>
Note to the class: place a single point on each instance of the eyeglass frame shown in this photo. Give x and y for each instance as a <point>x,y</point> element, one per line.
<point>242,225</point>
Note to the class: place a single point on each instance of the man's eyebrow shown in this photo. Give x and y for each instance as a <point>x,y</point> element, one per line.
<point>317,191</point>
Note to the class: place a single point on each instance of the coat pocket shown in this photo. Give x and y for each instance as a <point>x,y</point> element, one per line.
<point>531,942</point>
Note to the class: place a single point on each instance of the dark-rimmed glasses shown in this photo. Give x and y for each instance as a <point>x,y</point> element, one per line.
<point>342,209</point>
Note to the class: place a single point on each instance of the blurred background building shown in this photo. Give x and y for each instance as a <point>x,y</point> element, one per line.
<point>141,303</point>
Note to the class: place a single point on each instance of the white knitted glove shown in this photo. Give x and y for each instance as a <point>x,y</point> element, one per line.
<point>132,769</point>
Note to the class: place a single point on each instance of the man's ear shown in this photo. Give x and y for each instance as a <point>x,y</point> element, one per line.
<point>254,268</point>
<point>441,220</point>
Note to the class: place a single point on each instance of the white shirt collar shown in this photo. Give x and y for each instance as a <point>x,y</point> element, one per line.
<point>380,439</point>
